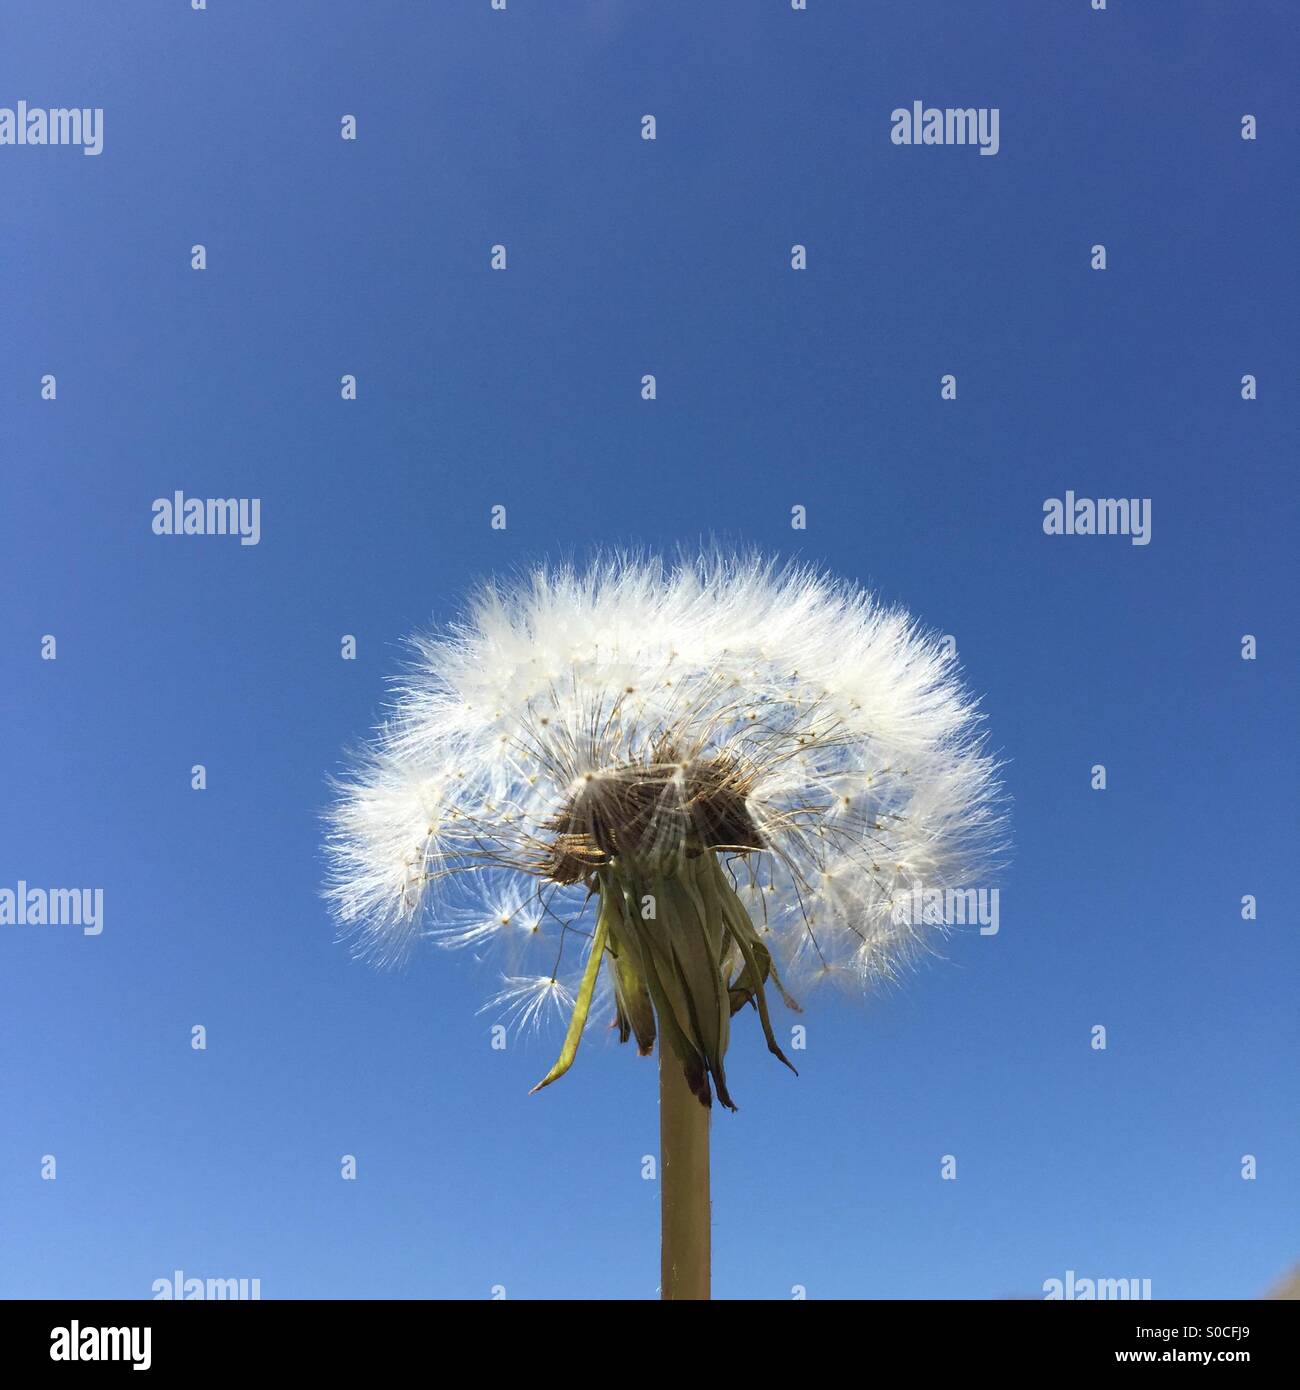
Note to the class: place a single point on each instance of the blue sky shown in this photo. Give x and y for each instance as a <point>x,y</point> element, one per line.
<point>775,387</point>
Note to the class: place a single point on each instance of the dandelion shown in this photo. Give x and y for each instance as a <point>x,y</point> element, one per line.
<point>707,785</point>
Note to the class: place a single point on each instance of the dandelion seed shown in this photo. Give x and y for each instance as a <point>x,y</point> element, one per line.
<point>526,1001</point>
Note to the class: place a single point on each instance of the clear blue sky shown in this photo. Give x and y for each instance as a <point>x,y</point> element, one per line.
<point>775,387</point>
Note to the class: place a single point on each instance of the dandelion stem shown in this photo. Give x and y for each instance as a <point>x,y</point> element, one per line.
<point>684,1182</point>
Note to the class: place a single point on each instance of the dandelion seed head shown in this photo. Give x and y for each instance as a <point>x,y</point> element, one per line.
<point>818,742</point>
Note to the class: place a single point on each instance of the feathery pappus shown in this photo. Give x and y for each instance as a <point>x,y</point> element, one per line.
<point>688,786</point>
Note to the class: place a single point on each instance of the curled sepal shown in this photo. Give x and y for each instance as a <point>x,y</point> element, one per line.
<point>691,947</point>
<point>581,1005</point>
<point>658,969</point>
<point>755,971</point>
<point>635,1014</point>
<point>744,987</point>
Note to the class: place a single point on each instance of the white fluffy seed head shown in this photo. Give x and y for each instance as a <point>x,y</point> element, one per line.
<point>858,749</point>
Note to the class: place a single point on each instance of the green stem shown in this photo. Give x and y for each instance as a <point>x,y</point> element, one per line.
<point>684,1183</point>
